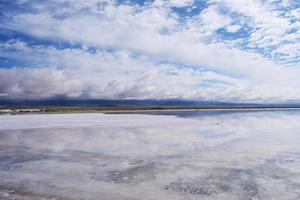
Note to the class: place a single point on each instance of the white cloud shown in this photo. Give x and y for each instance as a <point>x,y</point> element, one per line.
<point>213,20</point>
<point>37,83</point>
<point>181,3</point>
<point>271,26</point>
<point>132,41</point>
<point>105,74</point>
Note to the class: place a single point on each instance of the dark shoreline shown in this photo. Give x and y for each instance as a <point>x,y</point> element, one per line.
<point>131,109</point>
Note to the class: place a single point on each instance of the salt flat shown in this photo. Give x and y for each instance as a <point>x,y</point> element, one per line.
<point>233,155</point>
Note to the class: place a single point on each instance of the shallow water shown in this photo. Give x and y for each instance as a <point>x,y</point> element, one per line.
<point>183,155</point>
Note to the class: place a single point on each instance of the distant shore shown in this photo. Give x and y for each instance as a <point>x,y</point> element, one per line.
<point>129,109</point>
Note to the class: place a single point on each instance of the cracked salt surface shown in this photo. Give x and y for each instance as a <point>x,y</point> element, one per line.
<point>239,155</point>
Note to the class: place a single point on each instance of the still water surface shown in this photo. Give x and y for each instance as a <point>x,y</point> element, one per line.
<point>169,156</point>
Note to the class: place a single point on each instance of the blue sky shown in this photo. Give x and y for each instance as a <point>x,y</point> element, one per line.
<point>220,50</point>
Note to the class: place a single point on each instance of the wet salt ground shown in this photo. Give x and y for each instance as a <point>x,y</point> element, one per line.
<point>239,155</point>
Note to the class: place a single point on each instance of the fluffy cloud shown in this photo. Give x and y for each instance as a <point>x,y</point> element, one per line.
<point>218,50</point>
<point>113,74</point>
<point>37,83</point>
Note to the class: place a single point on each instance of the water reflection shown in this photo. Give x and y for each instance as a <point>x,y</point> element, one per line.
<point>235,155</point>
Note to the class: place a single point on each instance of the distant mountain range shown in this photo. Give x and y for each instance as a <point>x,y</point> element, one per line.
<point>135,102</point>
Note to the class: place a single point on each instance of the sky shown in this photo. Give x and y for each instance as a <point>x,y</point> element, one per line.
<point>212,50</point>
